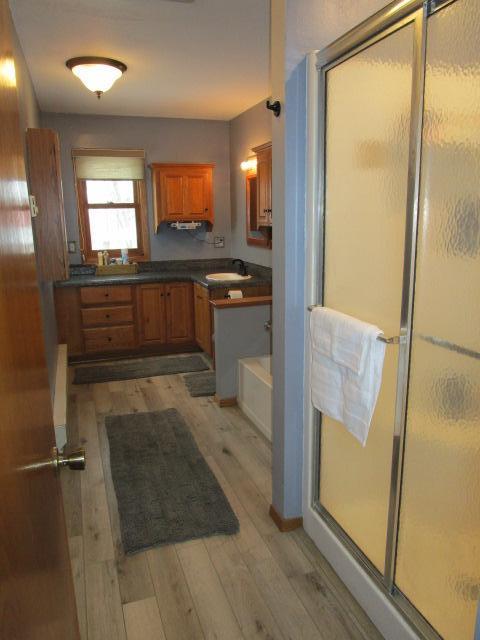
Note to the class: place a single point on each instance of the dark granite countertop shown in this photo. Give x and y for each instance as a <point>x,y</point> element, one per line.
<point>170,271</point>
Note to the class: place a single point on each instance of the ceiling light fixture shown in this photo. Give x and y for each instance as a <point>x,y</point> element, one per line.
<point>97,74</point>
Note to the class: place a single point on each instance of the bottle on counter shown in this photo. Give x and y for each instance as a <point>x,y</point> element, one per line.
<point>106,257</point>
<point>100,258</point>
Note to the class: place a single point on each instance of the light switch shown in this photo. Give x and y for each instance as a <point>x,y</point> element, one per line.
<point>72,246</point>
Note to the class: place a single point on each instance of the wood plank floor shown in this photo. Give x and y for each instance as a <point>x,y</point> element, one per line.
<point>257,584</point>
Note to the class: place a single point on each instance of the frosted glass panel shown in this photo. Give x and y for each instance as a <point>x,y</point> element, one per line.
<point>438,563</point>
<point>367,138</point>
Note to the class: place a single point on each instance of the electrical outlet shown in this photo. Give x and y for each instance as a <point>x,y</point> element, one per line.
<point>219,242</point>
<point>72,246</point>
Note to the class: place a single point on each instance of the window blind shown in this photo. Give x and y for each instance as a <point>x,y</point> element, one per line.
<point>109,164</point>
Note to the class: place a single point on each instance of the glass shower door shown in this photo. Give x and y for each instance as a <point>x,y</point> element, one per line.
<point>368,106</point>
<point>438,555</point>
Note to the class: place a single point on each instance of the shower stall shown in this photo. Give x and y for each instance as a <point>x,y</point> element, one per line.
<point>397,211</point>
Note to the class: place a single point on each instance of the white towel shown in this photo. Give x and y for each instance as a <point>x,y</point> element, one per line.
<point>347,364</point>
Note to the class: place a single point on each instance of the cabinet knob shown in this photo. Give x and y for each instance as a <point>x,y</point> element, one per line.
<point>106,295</point>
<point>107,315</point>
<point>109,339</point>
<point>206,210</point>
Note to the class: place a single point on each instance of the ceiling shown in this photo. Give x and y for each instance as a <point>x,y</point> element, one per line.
<point>185,58</point>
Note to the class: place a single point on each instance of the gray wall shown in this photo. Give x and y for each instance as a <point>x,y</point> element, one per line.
<point>30,117</point>
<point>309,25</point>
<point>164,140</point>
<point>250,129</point>
<point>239,333</point>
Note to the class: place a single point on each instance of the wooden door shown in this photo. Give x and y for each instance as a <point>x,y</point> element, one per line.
<point>36,590</point>
<point>152,314</point>
<point>179,312</point>
<point>203,325</point>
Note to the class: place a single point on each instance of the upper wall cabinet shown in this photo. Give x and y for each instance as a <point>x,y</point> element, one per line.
<point>264,184</point>
<point>182,193</point>
<point>45,181</point>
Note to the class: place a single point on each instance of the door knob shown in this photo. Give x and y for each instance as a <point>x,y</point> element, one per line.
<point>74,460</point>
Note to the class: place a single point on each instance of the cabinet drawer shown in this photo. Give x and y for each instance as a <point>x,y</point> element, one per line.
<point>99,316</point>
<point>109,339</point>
<point>99,295</point>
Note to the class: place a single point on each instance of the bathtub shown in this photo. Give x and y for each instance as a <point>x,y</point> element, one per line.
<point>254,393</point>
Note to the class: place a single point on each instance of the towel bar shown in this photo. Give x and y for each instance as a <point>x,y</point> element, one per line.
<point>391,340</point>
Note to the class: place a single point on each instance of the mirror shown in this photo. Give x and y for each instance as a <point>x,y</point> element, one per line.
<point>259,236</point>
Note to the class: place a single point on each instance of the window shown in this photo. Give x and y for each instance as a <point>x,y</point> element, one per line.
<point>111,202</point>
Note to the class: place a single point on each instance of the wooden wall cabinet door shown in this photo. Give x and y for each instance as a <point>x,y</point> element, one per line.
<point>151,305</point>
<point>264,185</point>
<point>182,192</point>
<point>179,312</point>
<point>203,322</point>
<point>45,182</point>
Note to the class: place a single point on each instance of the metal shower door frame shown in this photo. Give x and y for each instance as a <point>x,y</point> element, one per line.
<point>394,17</point>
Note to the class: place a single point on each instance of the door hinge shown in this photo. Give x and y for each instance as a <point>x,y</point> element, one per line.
<point>33,206</point>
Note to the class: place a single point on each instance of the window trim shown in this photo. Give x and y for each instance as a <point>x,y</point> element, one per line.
<point>89,256</point>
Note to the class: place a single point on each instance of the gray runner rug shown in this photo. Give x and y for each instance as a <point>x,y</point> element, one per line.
<point>138,368</point>
<point>166,492</point>
<point>200,384</point>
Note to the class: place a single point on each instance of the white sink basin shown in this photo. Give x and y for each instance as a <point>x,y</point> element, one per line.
<point>226,277</point>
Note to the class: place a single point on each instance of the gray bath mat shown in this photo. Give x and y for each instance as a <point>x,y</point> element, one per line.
<point>166,492</point>
<point>138,368</point>
<point>200,384</point>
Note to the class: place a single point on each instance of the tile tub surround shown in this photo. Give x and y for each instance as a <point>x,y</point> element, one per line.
<point>170,271</point>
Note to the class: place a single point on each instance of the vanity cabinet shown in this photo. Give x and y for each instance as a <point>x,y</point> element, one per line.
<point>109,320</point>
<point>264,184</point>
<point>45,184</point>
<point>166,313</point>
<point>182,193</point>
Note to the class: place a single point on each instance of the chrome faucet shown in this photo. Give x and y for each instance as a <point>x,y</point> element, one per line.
<point>242,267</point>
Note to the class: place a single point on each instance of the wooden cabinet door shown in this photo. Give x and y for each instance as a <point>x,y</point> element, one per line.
<point>152,314</point>
<point>173,195</point>
<point>196,194</point>
<point>179,312</point>
<point>203,324</point>
<point>182,192</point>
<point>264,186</point>
<point>45,182</point>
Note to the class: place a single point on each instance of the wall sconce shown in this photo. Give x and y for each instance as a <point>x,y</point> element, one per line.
<point>249,165</point>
